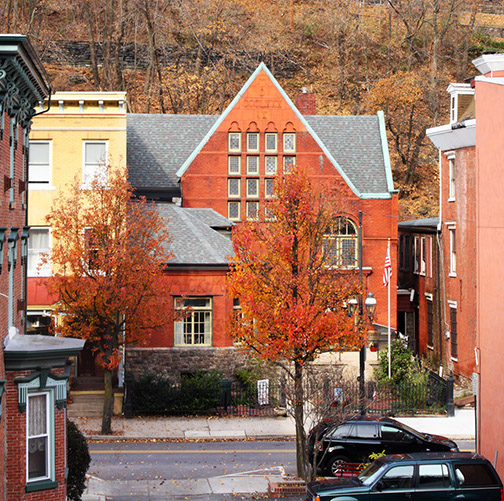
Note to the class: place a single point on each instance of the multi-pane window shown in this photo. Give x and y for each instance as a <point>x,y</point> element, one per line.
<point>289,142</point>
<point>252,210</point>
<point>38,439</point>
<point>253,141</point>
<point>453,331</point>
<point>195,328</point>
<point>404,252</point>
<point>451,178</point>
<point>268,187</point>
<point>270,166</point>
<point>234,141</point>
<point>453,252</point>
<point>234,188</point>
<point>234,165</point>
<point>340,244</point>
<point>234,209</point>
<point>253,165</point>
<point>39,167</point>
<point>95,161</point>
<point>252,188</point>
<point>38,322</point>
<point>271,140</point>
<point>289,162</point>
<point>38,245</point>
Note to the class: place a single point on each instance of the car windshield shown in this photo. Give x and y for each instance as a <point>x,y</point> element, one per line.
<point>412,431</point>
<point>369,474</point>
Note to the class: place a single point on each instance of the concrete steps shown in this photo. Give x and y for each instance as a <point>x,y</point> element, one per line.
<point>86,404</point>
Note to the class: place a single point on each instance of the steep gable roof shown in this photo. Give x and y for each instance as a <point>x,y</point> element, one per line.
<point>194,242</point>
<point>162,147</point>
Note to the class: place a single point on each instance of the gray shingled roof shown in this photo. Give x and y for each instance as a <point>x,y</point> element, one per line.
<point>193,241</point>
<point>157,145</point>
<point>355,143</point>
<point>210,217</point>
<point>428,224</point>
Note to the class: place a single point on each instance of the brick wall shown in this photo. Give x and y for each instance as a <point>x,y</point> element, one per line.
<point>16,448</point>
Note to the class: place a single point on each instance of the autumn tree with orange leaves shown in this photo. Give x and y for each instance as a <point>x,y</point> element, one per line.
<point>107,258</point>
<point>292,297</point>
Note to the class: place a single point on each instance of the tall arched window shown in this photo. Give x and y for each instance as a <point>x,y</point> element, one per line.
<point>341,243</point>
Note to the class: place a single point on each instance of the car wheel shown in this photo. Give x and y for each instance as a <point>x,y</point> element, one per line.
<point>335,467</point>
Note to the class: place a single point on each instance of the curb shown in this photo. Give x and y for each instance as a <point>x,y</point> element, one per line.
<point>123,438</point>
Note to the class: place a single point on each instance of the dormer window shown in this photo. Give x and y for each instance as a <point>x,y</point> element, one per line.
<point>461,97</point>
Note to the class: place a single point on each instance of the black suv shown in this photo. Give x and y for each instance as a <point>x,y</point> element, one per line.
<point>434,476</point>
<point>354,440</point>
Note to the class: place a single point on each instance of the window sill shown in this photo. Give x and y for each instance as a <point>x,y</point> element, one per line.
<point>41,485</point>
<point>454,359</point>
<point>451,199</point>
<point>429,347</point>
<point>452,274</point>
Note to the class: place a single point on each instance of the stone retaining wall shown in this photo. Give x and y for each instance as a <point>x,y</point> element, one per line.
<point>171,362</point>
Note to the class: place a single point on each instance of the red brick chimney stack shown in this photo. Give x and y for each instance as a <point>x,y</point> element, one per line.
<point>305,102</point>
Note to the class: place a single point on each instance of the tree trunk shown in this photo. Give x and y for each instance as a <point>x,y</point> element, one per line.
<point>299,420</point>
<point>108,404</point>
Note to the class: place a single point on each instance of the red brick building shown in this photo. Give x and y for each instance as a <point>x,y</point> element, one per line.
<point>455,297</point>
<point>33,376</point>
<point>228,163</point>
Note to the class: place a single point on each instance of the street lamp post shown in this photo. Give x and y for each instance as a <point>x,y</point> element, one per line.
<point>355,309</point>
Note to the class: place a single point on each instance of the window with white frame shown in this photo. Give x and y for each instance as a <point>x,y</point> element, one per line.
<point>423,255</point>
<point>253,141</point>
<point>288,162</point>
<point>252,188</point>
<point>253,165</point>
<point>429,257</point>
<point>430,321</point>
<point>234,165</point>
<point>38,246</point>
<point>39,437</point>
<point>234,141</point>
<point>234,210</point>
<point>195,329</point>
<point>39,166</point>
<point>95,162</point>
<point>270,166</point>
<point>416,255</point>
<point>340,243</point>
<point>453,330</point>
<point>271,140</point>
<point>234,188</point>
<point>451,178</point>
<point>453,251</point>
<point>269,185</point>
<point>252,210</point>
<point>289,142</point>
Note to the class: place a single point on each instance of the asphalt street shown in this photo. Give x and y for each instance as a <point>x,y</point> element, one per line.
<point>183,470</point>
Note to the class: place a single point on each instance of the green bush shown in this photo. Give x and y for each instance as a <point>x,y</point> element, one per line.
<point>402,363</point>
<point>154,394</point>
<point>78,462</point>
<point>200,391</point>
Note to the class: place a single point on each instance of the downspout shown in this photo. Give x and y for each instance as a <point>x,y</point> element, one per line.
<point>442,299</point>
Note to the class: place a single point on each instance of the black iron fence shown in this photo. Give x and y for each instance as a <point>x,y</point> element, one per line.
<point>268,398</point>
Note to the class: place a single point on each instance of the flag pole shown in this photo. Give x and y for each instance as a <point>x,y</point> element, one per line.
<point>388,336</point>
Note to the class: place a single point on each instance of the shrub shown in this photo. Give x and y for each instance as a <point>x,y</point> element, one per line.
<point>200,391</point>
<point>78,462</point>
<point>402,363</point>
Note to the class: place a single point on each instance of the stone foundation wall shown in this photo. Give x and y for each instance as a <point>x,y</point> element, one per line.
<point>172,362</point>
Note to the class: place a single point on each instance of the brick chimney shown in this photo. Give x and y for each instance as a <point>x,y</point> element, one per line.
<point>305,102</point>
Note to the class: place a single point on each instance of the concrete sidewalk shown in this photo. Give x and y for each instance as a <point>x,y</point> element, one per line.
<point>461,426</point>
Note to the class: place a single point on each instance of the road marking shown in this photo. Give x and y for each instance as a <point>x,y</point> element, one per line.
<point>218,451</point>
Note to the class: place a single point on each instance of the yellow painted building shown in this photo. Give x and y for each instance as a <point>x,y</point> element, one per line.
<point>80,134</point>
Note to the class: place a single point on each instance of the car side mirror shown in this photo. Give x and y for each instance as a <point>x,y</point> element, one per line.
<point>380,485</point>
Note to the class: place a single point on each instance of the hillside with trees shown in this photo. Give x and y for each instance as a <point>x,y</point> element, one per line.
<point>192,56</point>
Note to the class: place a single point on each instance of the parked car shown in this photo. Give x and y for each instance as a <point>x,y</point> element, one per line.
<point>418,476</point>
<point>354,440</point>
